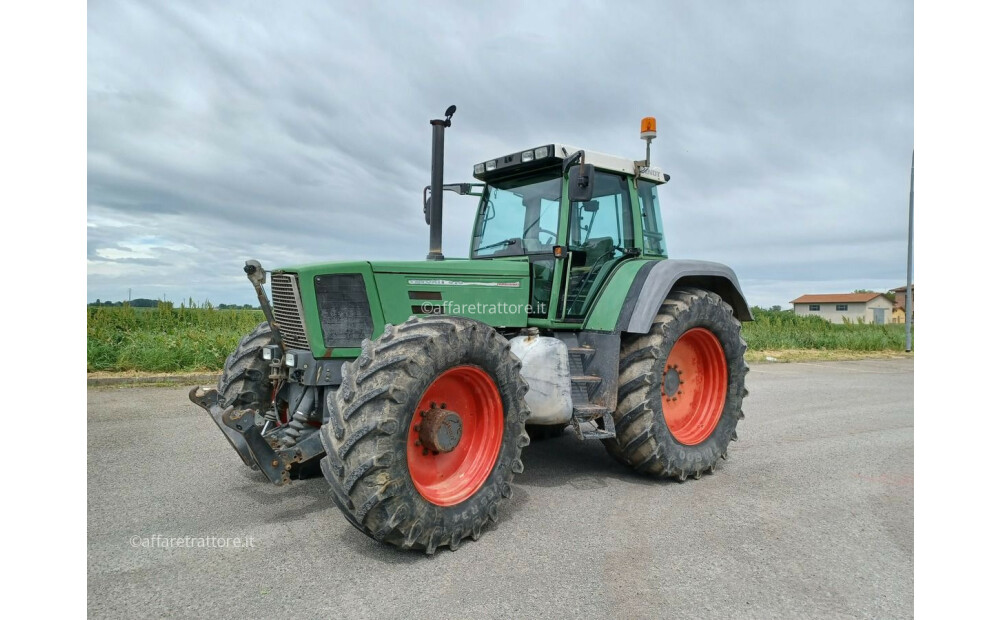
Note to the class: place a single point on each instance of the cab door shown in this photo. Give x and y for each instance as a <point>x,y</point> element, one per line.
<point>600,232</point>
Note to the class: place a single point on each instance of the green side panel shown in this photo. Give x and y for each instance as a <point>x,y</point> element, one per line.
<point>606,310</point>
<point>500,300</point>
<point>495,292</point>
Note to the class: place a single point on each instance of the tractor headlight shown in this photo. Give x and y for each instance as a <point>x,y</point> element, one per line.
<point>479,169</point>
<point>542,151</point>
<point>527,156</point>
<point>491,165</point>
<point>290,360</point>
<point>270,352</point>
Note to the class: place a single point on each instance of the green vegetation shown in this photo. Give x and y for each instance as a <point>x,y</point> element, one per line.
<point>167,339</point>
<point>777,330</point>
<point>164,339</point>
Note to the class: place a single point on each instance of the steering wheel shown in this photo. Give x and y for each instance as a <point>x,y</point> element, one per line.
<point>548,232</point>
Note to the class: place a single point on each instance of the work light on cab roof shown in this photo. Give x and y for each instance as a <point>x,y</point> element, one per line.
<point>414,385</point>
<point>551,154</point>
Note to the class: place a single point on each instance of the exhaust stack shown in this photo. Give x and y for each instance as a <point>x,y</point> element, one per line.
<point>437,182</point>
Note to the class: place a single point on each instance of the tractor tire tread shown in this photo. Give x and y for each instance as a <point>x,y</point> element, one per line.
<point>643,439</point>
<point>366,437</point>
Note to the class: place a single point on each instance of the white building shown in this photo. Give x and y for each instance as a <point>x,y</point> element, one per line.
<point>872,307</point>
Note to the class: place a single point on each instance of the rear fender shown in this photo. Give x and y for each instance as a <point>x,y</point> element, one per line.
<point>655,280</point>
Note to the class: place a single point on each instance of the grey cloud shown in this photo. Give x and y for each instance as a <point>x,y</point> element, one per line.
<point>298,132</point>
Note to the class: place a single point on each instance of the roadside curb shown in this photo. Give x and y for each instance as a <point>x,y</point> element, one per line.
<point>204,379</point>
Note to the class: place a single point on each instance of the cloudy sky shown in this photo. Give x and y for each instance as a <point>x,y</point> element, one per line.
<point>297,132</point>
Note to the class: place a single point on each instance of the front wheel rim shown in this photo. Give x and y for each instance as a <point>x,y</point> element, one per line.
<point>693,386</point>
<point>449,478</point>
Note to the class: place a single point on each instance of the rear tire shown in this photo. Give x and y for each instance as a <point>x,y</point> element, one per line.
<point>694,344</point>
<point>382,479</point>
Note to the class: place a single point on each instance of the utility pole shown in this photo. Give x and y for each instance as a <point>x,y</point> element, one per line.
<point>909,270</point>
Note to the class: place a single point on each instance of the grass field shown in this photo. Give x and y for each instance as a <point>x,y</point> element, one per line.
<point>171,340</point>
<point>164,339</point>
<point>779,330</point>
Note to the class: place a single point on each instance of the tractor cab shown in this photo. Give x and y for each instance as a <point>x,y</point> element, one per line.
<point>574,215</point>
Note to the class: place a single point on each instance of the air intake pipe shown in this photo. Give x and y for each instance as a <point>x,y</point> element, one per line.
<point>437,182</point>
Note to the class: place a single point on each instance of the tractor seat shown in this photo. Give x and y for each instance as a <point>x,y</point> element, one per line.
<point>598,249</point>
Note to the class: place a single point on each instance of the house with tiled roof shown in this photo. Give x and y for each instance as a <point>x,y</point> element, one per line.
<point>899,306</point>
<point>869,307</point>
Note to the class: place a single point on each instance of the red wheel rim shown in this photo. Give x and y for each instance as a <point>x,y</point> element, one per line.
<point>449,478</point>
<point>693,387</point>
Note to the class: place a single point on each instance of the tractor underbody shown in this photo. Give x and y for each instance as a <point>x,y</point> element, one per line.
<point>280,450</point>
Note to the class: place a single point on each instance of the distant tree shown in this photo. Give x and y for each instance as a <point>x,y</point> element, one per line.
<point>775,308</point>
<point>863,290</point>
<point>98,302</point>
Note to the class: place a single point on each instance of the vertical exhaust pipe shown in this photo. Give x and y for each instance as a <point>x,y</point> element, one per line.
<point>437,182</point>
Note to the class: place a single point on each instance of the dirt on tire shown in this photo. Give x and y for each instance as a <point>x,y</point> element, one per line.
<point>644,440</point>
<point>371,416</point>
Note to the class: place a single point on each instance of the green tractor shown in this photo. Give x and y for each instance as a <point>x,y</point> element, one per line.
<point>414,386</point>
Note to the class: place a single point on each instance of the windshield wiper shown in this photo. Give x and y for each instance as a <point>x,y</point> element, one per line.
<point>505,243</point>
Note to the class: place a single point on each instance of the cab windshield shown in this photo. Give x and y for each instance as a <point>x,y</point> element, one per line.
<point>518,216</point>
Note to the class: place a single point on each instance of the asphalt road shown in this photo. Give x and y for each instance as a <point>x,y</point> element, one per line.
<point>812,516</point>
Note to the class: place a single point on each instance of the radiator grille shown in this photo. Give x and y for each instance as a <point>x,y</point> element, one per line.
<point>288,310</point>
<point>344,312</point>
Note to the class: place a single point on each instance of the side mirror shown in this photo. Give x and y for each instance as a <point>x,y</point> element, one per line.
<point>581,183</point>
<point>462,189</point>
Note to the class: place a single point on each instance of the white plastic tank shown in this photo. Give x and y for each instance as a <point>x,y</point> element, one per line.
<point>545,368</point>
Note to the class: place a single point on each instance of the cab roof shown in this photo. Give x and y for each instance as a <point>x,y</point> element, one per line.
<point>552,154</point>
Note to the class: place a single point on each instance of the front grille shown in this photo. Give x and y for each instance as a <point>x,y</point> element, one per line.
<point>344,312</point>
<point>288,310</point>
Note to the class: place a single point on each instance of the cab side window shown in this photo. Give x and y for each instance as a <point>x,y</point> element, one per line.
<point>606,219</point>
<point>652,228</point>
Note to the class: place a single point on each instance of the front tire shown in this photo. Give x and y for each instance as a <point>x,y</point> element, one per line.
<point>244,381</point>
<point>389,479</point>
<point>681,388</point>
<point>245,384</point>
